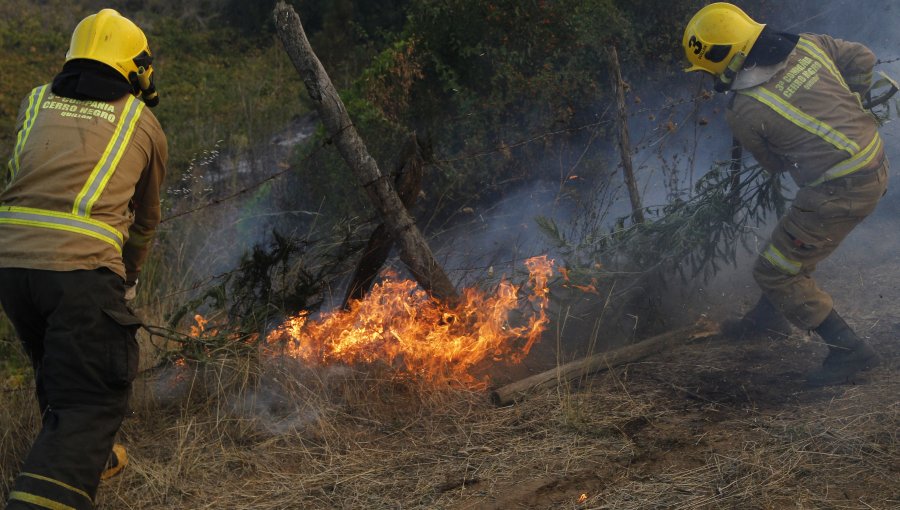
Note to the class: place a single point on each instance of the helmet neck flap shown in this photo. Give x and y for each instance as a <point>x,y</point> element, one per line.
<point>92,80</point>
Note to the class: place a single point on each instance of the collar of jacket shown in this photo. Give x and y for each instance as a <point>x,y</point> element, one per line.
<point>756,75</point>
<point>90,80</point>
<point>771,47</point>
<point>768,56</point>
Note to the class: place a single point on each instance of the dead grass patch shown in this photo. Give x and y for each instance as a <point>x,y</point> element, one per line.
<point>277,435</point>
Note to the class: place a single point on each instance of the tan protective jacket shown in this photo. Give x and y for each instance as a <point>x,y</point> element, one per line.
<point>808,119</point>
<point>83,186</point>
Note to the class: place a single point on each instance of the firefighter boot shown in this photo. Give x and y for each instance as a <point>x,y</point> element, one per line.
<point>847,353</point>
<point>117,461</point>
<point>763,318</point>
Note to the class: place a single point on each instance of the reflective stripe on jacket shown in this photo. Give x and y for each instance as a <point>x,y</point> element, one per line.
<point>83,185</point>
<point>808,118</point>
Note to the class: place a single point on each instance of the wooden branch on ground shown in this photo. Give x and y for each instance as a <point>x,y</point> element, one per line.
<point>629,354</point>
<point>408,180</point>
<point>414,250</point>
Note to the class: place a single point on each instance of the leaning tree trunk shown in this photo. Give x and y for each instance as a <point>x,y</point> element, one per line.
<point>408,181</point>
<point>414,250</point>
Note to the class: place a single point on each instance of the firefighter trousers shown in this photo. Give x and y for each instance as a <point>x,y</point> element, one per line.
<point>818,220</point>
<point>80,337</point>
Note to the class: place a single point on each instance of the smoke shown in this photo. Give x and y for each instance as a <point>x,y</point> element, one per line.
<point>678,132</point>
<point>278,409</point>
<point>228,212</point>
<point>493,241</point>
<point>276,398</point>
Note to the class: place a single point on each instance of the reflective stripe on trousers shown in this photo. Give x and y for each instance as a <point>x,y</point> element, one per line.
<point>46,492</point>
<point>819,219</point>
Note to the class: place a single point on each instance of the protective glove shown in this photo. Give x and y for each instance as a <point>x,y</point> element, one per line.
<point>130,290</point>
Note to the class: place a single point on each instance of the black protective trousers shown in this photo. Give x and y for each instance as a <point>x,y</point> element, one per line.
<point>80,337</point>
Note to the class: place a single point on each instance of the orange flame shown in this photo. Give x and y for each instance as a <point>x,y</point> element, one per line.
<point>200,326</point>
<point>401,325</point>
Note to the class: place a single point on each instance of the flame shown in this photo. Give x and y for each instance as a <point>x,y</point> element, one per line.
<point>400,324</point>
<point>582,498</point>
<point>206,339</point>
<point>200,326</point>
<point>588,289</point>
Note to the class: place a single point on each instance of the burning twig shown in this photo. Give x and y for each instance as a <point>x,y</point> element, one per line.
<point>202,343</point>
<point>408,180</point>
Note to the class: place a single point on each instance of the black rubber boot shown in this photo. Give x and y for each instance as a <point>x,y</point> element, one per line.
<point>762,318</point>
<point>848,354</point>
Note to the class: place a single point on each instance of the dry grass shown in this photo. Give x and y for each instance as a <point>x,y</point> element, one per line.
<point>289,437</point>
<point>246,435</point>
<point>19,423</point>
<point>840,455</point>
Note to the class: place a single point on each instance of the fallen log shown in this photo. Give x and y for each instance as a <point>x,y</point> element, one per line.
<point>513,392</point>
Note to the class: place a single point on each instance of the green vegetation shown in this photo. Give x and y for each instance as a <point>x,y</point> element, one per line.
<point>493,90</point>
<point>689,237</point>
<point>476,78</point>
<point>215,83</point>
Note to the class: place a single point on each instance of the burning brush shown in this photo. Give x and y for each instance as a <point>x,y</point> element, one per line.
<point>400,325</point>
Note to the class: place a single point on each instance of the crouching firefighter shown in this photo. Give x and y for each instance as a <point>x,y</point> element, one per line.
<point>77,215</point>
<point>797,107</point>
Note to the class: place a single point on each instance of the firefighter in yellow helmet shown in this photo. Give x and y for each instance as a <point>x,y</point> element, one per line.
<point>77,215</point>
<point>796,106</point>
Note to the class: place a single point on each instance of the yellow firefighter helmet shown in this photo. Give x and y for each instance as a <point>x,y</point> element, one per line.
<point>114,40</point>
<point>717,34</point>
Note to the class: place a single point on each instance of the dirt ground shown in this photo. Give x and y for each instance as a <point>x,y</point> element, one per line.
<point>730,423</point>
<point>720,423</point>
<point>724,424</point>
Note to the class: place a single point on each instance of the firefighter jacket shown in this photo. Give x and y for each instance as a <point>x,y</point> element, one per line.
<point>808,118</point>
<point>83,185</point>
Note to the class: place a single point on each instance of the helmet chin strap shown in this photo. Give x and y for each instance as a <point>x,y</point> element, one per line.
<point>726,79</point>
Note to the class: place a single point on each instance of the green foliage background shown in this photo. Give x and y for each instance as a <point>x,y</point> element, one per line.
<point>467,75</point>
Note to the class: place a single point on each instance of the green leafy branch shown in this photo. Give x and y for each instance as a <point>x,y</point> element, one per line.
<point>691,237</point>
